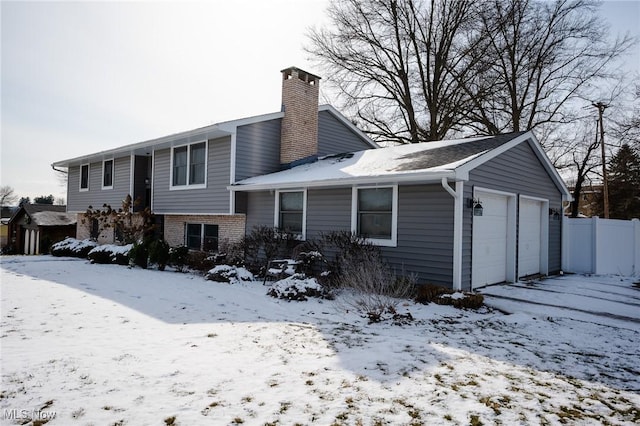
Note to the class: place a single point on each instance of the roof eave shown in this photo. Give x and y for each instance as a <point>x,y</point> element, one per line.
<point>418,177</point>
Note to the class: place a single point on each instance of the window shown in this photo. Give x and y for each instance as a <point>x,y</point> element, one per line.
<point>84,177</point>
<point>94,231</point>
<point>291,212</point>
<point>189,165</point>
<point>201,237</point>
<point>107,174</point>
<point>374,214</point>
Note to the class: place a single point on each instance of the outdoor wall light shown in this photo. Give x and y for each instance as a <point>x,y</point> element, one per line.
<point>554,213</point>
<point>476,205</point>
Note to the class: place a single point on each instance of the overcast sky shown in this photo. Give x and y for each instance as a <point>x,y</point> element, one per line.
<point>81,77</point>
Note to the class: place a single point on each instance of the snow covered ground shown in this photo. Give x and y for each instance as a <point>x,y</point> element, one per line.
<point>101,344</point>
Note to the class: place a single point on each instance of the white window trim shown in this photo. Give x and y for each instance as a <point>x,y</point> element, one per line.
<point>393,241</point>
<point>88,177</point>
<point>202,225</point>
<point>276,216</point>
<point>173,187</point>
<point>113,169</point>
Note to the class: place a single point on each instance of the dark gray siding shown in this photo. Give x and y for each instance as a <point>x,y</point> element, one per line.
<point>328,210</point>
<point>212,199</point>
<point>260,209</point>
<point>258,149</point>
<point>79,201</point>
<point>334,137</point>
<point>517,171</point>
<point>425,234</point>
<point>425,226</point>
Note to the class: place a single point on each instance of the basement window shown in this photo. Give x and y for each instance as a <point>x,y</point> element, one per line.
<point>201,237</point>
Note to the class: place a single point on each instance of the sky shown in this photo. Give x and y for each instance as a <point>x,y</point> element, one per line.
<point>81,77</point>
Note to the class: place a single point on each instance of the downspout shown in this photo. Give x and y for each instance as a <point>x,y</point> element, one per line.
<point>565,244</point>
<point>457,230</point>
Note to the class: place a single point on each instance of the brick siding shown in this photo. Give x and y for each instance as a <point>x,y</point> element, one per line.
<point>230,227</point>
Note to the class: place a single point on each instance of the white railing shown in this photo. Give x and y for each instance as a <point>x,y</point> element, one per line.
<point>602,246</point>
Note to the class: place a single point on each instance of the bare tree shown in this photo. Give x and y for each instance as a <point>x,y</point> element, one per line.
<point>626,122</point>
<point>537,58</point>
<point>7,196</point>
<point>398,64</point>
<point>418,70</point>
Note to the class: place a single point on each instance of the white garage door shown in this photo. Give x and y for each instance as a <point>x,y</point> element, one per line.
<point>489,245</point>
<point>530,236</point>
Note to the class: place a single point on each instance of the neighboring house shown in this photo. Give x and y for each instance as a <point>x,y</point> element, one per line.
<point>183,178</point>
<point>462,213</point>
<point>34,227</point>
<point>590,200</point>
<point>6,213</point>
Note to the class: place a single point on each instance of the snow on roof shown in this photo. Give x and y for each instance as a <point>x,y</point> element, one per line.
<point>53,218</point>
<point>429,159</point>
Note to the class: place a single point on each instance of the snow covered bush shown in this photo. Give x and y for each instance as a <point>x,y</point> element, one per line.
<point>428,293</point>
<point>73,248</point>
<point>109,253</point>
<point>298,287</point>
<point>229,274</point>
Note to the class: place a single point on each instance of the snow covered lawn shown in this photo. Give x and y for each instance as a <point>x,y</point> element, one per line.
<point>105,344</point>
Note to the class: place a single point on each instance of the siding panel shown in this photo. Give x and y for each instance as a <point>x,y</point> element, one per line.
<point>258,149</point>
<point>214,199</point>
<point>425,234</point>
<point>335,138</point>
<point>79,201</point>
<point>260,209</point>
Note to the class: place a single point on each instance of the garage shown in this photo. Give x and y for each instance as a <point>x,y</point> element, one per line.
<point>492,245</point>
<point>532,236</point>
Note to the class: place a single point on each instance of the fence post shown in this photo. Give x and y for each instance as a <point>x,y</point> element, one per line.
<point>636,246</point>
<point>594,248</point>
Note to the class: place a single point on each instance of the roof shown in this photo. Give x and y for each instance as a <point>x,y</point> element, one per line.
<point>212,131</point>
<point>422,162</point>
<point>47,214</point>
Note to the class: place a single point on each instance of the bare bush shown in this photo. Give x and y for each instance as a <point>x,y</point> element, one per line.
<point>372,288</point>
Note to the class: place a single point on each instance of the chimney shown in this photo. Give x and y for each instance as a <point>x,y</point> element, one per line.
<point>299,134</point>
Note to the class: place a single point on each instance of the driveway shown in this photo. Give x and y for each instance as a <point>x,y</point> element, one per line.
<point>606,299</point>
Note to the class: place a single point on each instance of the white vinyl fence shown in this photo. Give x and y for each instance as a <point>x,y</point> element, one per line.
<point>602,246</point>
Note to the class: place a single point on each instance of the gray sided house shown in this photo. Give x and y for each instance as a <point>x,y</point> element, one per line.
<point>183,178</point>
<point>462,213</point>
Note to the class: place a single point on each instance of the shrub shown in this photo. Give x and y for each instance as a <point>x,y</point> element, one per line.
<point>200,261</point>
<point>139,255</point>
<point>229,274</point>
<point>109,253</point>
<point>73,248</point>
<point>159,253</point>
<point>298,287</point>
<point>347,250</point>
<point>445,296</point>
<point>373,288</point>
<point>178,257</point>
<point>264,244</point>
